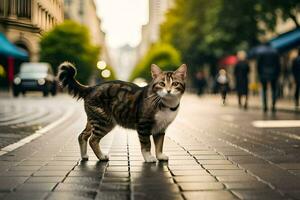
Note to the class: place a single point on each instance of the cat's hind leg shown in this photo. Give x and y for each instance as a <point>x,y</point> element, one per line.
<point>99,130</point>
<point>159,141</point>
<point>82,140</point>
<point>146,148</point>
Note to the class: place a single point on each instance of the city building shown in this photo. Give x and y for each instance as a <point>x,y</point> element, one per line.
<point>85,12</point>
<point>125,60</point>
<point>24,21</point>
<point>151,30</point>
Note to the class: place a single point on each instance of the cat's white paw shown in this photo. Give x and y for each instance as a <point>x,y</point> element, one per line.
<point>85,158</point>
<point>162,157</point>
<point>103,157</point>
<point>150,159</point>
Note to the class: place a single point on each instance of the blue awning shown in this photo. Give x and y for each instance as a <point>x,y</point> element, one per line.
<point>286,41</point>
<point>9,49</point>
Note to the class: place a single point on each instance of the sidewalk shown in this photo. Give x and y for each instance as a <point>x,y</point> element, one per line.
<point>255,102</point>
<point>201,166</point>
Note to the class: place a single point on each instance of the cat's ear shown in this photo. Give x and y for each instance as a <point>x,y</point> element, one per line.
<point>155,70</point>
<point>182,71</point>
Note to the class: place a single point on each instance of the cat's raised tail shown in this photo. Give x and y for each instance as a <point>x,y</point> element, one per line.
<point>66,76</point>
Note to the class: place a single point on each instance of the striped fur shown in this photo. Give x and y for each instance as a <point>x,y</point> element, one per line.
<point>128,105</point>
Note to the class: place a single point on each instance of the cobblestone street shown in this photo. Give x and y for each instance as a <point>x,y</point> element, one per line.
<point>214,152</point>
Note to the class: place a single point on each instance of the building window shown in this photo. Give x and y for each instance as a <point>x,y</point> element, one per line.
<point>24,8</point>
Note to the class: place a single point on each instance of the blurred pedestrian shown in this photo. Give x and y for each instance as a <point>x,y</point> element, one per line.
<point>268,66</point>
<point>296,73</point>
<point>223,84</point>
<point>200,82</point>
<point>241,72</point>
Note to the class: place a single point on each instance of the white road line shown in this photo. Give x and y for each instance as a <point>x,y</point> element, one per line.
<point>276,123</point>
<point>37,134</point>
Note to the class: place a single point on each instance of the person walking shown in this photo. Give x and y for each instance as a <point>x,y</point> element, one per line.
<point>241,72</point>
<point>223,84</point>
<point>268,67</point>
<point>296,74</point>
<point>200,82</point>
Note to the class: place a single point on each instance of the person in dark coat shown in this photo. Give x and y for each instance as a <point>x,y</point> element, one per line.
<point>296,74</point>
<point>268,66</point>
<point>241,72</point>
<point>200,82</point>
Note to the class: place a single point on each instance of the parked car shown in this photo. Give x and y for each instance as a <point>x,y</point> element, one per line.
<point>35,77</point>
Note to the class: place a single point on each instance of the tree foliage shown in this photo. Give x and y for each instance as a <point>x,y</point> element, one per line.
<point>205,30</point>
<point>163,55</point>
<point>70,41</point>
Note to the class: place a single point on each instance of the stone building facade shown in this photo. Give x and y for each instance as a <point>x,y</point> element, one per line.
<point>24,21</point>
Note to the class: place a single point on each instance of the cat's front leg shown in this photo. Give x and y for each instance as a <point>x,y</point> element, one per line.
<point>159,141</point>
<point>146,148</point>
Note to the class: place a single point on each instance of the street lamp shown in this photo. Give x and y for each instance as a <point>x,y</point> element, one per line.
<point>105,73</point>
<point>101,65</point>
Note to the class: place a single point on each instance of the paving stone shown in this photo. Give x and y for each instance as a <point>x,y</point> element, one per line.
<point>182,179</point>
<point>78,187</point>
<point>118,163</point>
<point>50,173</point>
<point>25,168</point>
<point>85,174</point>
<point>243,178</point>
<point>185,167</point>
<point>290,165</point>
<point>113,179</point>
<point>67,158</point>
<point>158,187</point>
<point>31,163</point>
<point>245,185</point>
<point>182,162</point>
<point>220,172</point>
<point>294,194</point>
<point>155,195</point>
<point>195,153</point>
<point>117,169</point>
<point>247,159</point>
<point>72,195</point>
<point>114,187</point>
<point>16,173</point>
<point>60,163</point>
<point>112,196</point>
<point>191,172</point>
<point>220,167</point>
<point>209,157</point>
<point>23,195</point>
<point>88,179</point>
<point>44,179</point>
<point>56,168</point>
<point>47,187</point>
<point>9,183</point>
<point>151,180</point>
<point>215,162</point>
<point>257,194</point>
<point>151,174</point>
<point>209,195</point>
<point>201,186</point>
<point>116,174</point>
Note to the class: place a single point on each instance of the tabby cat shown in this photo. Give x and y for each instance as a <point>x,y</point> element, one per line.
<point>149,109</point>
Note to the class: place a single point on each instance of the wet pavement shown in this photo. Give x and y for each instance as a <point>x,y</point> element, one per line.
<point>214,153</point>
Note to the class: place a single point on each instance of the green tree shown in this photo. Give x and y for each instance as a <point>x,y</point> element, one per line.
<point>205,30</point>
<point>70,41</point>
<point>163,55</point>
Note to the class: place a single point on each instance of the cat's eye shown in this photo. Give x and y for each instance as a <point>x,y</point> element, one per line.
<point>162,84</point>
<point>175,83</point>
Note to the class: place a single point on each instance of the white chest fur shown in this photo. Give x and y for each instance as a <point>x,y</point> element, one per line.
<point>162,120</point>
